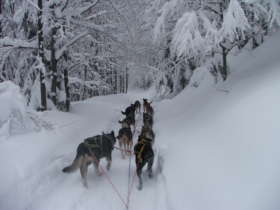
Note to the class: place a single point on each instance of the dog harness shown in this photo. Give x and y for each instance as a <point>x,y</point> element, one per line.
<point>142,142</point>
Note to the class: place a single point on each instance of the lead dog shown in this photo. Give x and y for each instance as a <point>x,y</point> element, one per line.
<point>147,108</point>
<point>137,106</point>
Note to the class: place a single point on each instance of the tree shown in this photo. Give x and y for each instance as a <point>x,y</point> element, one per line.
<point>196,33</point>
<point>77,42</point>
<point>234,29</point>
<point>41,57</point>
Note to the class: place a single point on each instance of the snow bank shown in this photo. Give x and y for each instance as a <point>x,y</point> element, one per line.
<point>15,118</point>
<point>223,140</point>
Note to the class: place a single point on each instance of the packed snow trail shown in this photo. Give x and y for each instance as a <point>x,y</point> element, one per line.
<point>37,160</point>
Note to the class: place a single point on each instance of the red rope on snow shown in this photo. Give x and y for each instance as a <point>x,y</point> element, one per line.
<point>114,187</point>
<point>109,180</point>
<point>124,150</point>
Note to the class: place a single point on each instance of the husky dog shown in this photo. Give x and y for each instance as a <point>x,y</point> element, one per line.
<point>148,133</point>
<point>145,104</point>
<point>144,154</point>
<point>91,151</point>
<point>147,108</point>
<point>129,110</point>
<point>130,115</point>
<point>137,106</point>
<point>125,141</point>
<point>148,120</point>
<point>150,110</point>
<point>127,122</point>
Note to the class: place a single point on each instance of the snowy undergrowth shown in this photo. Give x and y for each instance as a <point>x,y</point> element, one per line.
<point>15,117</point>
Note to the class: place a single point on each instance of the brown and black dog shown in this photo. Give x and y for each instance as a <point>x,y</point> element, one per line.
<point>148,133</point>
<point>148,120</point>
<point>91,151</point>
<point>137,106</point>
<point>147,108</point>
<point>129,116</point>
<point>144,154</point>
<point>125,141</point>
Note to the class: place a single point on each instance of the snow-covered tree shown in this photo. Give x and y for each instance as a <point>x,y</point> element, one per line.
<point>76,39</point>
<point>234,29</point>
<point>205,32</point>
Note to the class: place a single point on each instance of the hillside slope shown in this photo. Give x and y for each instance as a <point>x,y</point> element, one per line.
<point>222,142</point>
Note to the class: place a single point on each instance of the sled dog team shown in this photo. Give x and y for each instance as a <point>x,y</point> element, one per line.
<point>92,149</point>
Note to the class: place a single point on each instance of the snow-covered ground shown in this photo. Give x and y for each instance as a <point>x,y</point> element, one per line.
<point>219,145</point>
<point>223,141</point>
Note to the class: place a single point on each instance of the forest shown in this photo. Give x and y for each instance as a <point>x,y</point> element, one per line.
<point>63,51</point>
<point>139,104</point>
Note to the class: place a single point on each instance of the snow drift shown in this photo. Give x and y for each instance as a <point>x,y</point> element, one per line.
<point>223,140</point>
<point>15,117</point>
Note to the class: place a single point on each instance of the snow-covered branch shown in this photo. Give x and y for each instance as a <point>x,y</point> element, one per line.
<point>18,43</point>
<point>60,52</point>
<point>88,7</point>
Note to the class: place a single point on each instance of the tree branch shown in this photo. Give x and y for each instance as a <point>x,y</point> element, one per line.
<point>71,42</point>
<point>17,43</point>
<point>213,10</point>
<point>89,7</point>
<point>65,5</point>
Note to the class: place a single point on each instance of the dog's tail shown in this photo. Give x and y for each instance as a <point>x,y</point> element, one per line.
<point>123,112</point>
<point>74,166</point>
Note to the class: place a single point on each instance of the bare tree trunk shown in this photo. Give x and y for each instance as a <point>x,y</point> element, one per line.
<point>224,50</point>
<point>123,82</point>
<point>53,61</point>
<point>84,96</point>
<point>0,20</point>
<point>41,55</point>
<point>224,70</point>
<point>116,81</point>
<point>255,43</point>
<point>126,80</point>
<point>67,90</point>
<point>53,69</point>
